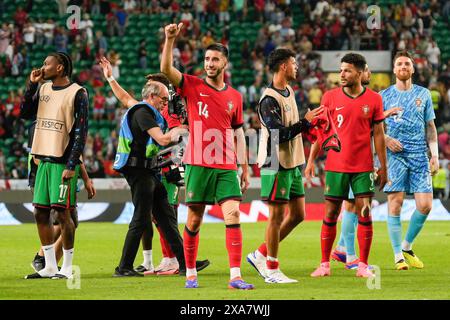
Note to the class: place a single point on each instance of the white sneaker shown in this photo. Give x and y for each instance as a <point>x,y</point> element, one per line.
<point>258,262</point>
<point>278,277</point>
<point>167,265</point>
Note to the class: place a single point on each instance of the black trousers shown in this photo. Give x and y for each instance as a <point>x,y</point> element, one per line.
<point>149,197</point>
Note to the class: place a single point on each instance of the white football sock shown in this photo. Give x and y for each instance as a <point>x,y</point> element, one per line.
<point>148,261</point>
<point>66,268</point>
<point>406,246</point>
<point>51,266</point>
<point>235,273</point>
<point>399,256</point>
<point>191,272</point>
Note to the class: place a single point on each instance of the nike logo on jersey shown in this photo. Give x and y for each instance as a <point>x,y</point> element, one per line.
<point>204,95</point>
<point>340,108</point>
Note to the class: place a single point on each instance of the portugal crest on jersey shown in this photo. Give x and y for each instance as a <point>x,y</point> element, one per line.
<point>230,106</point>
<point>365,108</point>
<point>418,102</point>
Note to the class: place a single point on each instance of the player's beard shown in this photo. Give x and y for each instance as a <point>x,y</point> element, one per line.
<point>216,75</point>
<point>349,83</point>
<point>365,82</point>
<point>403,76</point>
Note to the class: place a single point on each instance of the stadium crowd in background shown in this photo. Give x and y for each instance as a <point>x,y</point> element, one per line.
<point>326,26</point>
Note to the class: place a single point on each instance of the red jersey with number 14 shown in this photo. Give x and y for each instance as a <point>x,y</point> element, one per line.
<point>354,119</point>
<point>212,115</point>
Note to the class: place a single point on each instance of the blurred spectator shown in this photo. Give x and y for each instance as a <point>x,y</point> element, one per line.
<point>20,17</point>
<point>129,6</point>
<point>315,96</point>
<point>5,34</point>
<point>100,41</point>
<point>98,143</point>
<point>111,105</point>
<point>29,32</point>
<point>122,21</point>
<point>20,170</point>
<point>2,160</point>
<point>48,29</point>
<point>111,145</point>
<point>114,58</point>
<point>433,54</point>
<point>99,105</point>
<point>87,25</point>
<point>17,63</point>
<point>207,39</point>
<point>142,55</point>
<point>62,7</point>
<point>61,39</point>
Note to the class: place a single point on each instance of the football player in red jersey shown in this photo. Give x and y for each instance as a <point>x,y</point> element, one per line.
<point>215,117</point>
<point>169,264</point>
<point>356,110</point>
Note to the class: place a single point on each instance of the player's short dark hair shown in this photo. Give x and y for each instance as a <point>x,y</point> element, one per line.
<point>64,59</point>
<point>403,53</point>
<point>278,57</point>
<point>355,59</point>
<point>218,47</point>
<point>159,77</point>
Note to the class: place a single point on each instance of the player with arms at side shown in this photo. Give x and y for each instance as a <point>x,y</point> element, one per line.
<point>356,110</point>
<point>345,249</point>
<point>410,170</point>
<point>214,109</point>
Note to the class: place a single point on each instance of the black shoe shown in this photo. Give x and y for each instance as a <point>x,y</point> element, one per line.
<point>35,276</point>
<point>141,269</point>
<point>199,265</point>
<point>59,276</point>
<point>126,273</point>
<point>38,263</point>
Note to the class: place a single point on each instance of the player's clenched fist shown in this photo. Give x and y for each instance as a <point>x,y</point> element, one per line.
<point>381,177</point>
<point>172,30</point>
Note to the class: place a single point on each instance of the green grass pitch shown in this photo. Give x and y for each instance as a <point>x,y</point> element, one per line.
<point>98,248</point>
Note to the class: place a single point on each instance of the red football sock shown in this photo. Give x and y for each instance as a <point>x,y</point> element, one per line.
<point>365,234</point>
<point>327,236</point>
<point>190,242</point>
<point>165,247</point>
<point>234,244</point>
<point>263,249</point>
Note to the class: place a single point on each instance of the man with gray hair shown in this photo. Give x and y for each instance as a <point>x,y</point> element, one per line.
<point>140,138</point>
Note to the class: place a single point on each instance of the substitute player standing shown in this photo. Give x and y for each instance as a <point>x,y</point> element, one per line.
<point>409,168</point>
<point>61,110</point>
<point>215,114</point>
<point>356,110</point>
<point>281,187</point>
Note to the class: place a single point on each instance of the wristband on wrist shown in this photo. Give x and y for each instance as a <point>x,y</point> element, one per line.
<point>110,79</point>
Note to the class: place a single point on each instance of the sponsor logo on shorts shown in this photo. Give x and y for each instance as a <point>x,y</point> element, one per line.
<point>389,183</point>
<point>327,189</point>
<point>190,194</point>
<point>283,191</point>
